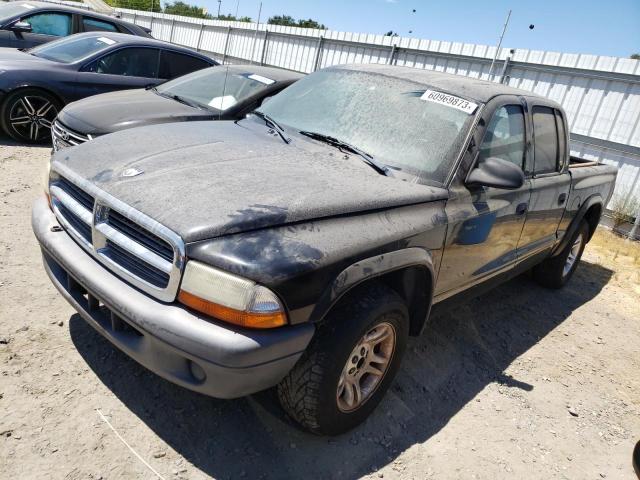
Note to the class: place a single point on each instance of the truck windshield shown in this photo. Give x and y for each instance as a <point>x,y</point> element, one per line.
<point>389,118</point>
<point>70,49</point>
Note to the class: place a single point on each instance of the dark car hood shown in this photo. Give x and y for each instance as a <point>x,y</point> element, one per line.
<point>12,58</point>
<point>206,179</point>
<point>111,112</point>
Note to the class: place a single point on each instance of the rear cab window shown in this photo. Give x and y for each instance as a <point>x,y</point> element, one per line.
<point>545,141</point>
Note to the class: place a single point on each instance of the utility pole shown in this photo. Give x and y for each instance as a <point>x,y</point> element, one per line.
<point>219,3</point>
<point>504,29</point>
<point>237,6</point>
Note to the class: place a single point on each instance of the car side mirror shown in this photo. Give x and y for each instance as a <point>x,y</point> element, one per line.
<point>496,172</point>
<point>21,27</point>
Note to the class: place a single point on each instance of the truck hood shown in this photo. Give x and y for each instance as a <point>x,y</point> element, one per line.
<point>207,179</point>
<point>111,112</point>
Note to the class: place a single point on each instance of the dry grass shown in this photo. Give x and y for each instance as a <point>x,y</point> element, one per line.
<point>617,253</point>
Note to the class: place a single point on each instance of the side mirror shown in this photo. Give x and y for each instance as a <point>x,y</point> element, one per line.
<point>21,27</point>
<point>496,172</point>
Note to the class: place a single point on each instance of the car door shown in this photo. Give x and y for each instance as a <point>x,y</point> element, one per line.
<point>127,67</point>
<point>485,223</point>
<point>550,184</point>
<point>45,27</point>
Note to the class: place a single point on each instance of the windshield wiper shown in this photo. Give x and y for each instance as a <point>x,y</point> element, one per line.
<point>368,159</point>
<point>273,124</point>
<point>178,98</point>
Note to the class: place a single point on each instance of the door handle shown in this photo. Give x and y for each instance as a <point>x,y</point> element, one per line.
<point>562,198</point>
<point>521,209</point>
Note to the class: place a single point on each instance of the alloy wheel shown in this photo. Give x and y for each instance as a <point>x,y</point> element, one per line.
<point>31,117</point>
<point>366,367</point>
<point>573,255</point>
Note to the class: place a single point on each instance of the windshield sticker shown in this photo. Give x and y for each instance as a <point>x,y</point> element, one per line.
<point>27,6</point>
<point>261,79</point>
<point>106,40</point>
<point>449,101</point>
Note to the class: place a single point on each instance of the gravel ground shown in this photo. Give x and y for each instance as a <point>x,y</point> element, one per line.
<point>520,383</point>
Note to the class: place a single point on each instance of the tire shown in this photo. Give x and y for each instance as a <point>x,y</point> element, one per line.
<point>310,392</point>
<point>556,271</point>
<point>27,114</point>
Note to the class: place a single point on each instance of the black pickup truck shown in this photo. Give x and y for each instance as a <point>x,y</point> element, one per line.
<point>301,246</point>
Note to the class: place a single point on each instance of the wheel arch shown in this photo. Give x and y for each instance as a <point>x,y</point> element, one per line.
<point>408,272</point>
<point>591,211</point>
<point>27,86</point>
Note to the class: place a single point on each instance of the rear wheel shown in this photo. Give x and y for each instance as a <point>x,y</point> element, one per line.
<point>556,271</point>
<point>28,114</point>
<point>350,363</point>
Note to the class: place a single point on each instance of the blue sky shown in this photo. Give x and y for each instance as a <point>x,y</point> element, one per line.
<point>603,27</point>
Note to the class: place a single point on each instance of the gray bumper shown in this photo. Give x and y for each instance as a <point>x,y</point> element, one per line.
<point>166,338</point>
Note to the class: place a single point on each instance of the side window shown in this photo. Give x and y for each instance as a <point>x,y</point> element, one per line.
<point>95,25</point>
<point>505,135</point>
<point>545,140</point>
<point>129,62</point>
<point>562,137</point>
<point>56,24</point>
<point>174,64</point>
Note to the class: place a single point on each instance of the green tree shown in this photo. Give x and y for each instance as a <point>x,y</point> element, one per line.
<point>635,56</point>
<point>180,8</point>
<point>146,5</point>
<point>289,21</point>
<point>391,33</point>
<point>232,18</point>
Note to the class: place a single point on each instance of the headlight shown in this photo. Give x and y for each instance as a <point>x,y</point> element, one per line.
<point>230,298</point>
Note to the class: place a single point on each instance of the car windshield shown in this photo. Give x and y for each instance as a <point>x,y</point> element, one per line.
<point>8,10</point>
<point>393,120</point>
<point>216,87</point>
<point>71,49</point>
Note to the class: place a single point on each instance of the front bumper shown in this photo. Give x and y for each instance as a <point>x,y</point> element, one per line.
<point>166,338</point>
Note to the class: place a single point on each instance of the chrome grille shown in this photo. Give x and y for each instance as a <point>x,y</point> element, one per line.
<point>63,137</point>
<point>134,246</point>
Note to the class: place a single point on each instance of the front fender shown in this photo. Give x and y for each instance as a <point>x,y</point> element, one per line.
<point>374,267</point>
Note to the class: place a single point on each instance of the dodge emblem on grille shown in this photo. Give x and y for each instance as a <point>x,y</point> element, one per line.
<point>132,172</point>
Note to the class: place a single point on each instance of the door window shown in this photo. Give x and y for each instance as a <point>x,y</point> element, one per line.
<point>545,140</point>
<point>505,136</point>
<point>129,62</point>
<point>95,25</point>
<point>56,24</point>
<point>174,64</point>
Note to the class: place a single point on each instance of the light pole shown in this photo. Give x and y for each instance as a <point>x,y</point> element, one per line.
<point>219,3</point>
<point>498,47</point>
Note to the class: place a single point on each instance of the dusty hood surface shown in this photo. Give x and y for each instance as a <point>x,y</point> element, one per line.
<point>111,112</point>
<point>206,179</point>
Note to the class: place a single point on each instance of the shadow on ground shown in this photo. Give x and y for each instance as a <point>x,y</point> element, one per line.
<point>462,351</point>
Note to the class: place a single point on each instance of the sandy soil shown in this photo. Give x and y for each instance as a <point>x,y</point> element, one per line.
<point>520,383</point>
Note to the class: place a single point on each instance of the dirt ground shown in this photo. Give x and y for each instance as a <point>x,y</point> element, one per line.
<point>519,383</point>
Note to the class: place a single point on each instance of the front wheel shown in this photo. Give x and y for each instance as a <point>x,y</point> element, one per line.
<point>556,271</point>
<point>28,114</point>
<point>350,363</point>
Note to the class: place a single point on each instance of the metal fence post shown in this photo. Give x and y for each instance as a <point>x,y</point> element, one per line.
<point>226,44</point>
<point>264,46</point>
<point>173,22</point>
<point>135,15</point>
<point>151,23</point>
<point>391,54</point>
<point>636,226</point>
<point>504,78</point>
<point>316,61</point>
<point>200,36</point>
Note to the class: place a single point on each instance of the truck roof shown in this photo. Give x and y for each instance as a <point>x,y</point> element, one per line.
<point>473,88</point>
